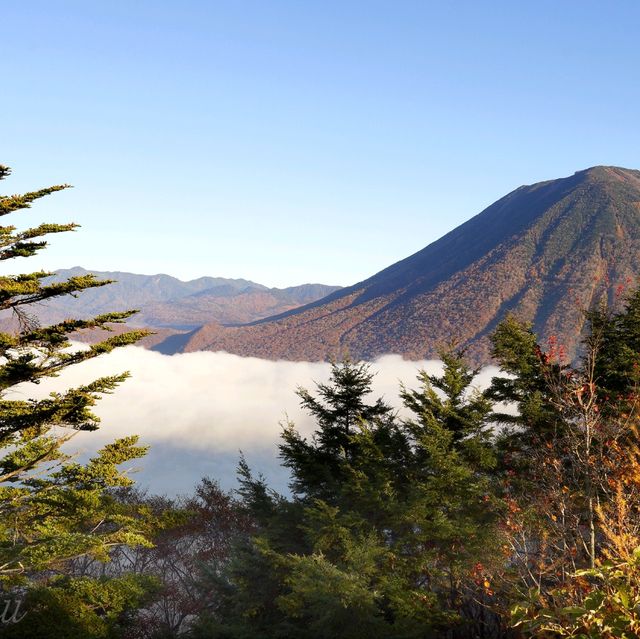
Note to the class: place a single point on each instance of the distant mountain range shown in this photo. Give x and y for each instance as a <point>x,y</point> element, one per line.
<point>543,252</point>
<point>171,306</point>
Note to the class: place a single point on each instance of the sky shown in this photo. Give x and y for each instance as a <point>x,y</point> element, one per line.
<point>301,141</point>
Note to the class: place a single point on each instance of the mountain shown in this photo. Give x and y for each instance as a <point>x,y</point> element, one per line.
<point>167,302</point>
<point>230,305</point>
<point>544,252</point>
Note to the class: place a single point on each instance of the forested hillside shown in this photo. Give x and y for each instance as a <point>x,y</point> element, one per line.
<point>543,252</point>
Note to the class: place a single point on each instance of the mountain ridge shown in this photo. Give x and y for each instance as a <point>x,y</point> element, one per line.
<point>168,302</point>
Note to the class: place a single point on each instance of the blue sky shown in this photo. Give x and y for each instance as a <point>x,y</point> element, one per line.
<point>294,141</point>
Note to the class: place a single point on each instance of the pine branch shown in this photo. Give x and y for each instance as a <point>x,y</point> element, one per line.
<point>28,289</point>
<point>10,203</point>
<point>19,244</point>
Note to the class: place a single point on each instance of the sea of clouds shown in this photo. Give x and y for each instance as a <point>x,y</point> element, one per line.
<point>196,411</point>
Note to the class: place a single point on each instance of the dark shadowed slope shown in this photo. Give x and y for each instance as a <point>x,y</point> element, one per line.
<point>544,252</point>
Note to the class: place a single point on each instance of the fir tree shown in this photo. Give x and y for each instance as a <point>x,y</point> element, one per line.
<point>387,519</point>
<point>615,336</point>
<point>339,410</point>
<point>528,369</point>
<point>52,508</point>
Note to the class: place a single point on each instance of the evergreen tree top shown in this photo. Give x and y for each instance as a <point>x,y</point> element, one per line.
<point>54,509</point>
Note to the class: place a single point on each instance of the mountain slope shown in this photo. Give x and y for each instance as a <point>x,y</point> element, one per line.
<point>544,252</point>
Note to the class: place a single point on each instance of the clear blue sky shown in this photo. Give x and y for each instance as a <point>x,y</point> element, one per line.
<point>293,141</point>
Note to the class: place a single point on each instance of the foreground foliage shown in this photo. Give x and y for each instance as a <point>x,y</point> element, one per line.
<point>458,519</point>
<point>388,518</point>
<point>54,509</point>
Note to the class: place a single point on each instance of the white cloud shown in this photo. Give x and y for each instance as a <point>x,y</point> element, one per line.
<point>197,410</point>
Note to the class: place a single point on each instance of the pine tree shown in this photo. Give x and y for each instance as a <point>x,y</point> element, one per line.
<point>615,336</point>
<point>53,508</point>
<point>340,409</point>
<point>387,519</point>
<point>448,402</point>
<point>528,369</point>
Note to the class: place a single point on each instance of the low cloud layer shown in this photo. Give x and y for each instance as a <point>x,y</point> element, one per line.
<point>197,410</point>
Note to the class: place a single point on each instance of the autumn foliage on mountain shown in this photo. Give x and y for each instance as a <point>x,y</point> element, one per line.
<point>543,252</point>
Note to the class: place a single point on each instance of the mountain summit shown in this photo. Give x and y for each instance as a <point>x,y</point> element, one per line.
<point>543,252</point>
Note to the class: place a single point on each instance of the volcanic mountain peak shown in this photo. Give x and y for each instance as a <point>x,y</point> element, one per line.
<point>544,252</point>
<point>603,173</point>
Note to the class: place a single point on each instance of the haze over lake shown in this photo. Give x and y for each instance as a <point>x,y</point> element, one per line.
<point>198,410</point>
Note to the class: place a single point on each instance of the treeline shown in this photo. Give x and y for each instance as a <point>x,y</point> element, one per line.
<point>506,512</point>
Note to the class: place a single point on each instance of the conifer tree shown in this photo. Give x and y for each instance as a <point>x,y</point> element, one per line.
<point>53,508</point>
<point>387,521</point>
<point>528,369</point>
<point>448,402</point>
<point>615,336</point>
<point>340,409</point>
